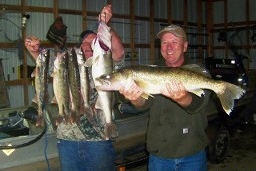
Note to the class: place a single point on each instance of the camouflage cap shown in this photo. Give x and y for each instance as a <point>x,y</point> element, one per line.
<point>174,29</point>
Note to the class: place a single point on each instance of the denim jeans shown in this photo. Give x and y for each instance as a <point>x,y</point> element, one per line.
<point>86,155</point>
<point>196,162</point>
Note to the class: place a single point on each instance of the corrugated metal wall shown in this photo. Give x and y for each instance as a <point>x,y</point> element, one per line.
<point>236,12</point>
<point>39,23</point>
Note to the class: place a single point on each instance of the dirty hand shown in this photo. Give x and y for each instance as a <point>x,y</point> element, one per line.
<point>177,92</point>
<point>32,44</point>
<point>106,14</point>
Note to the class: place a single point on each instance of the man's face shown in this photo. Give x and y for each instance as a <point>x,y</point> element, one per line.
<point>172,49</point>
<point>86,45</point>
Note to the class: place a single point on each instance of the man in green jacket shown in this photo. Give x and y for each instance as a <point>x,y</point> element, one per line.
<point>176,137</point>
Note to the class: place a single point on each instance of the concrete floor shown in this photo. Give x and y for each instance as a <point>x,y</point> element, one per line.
<point>242,155</point>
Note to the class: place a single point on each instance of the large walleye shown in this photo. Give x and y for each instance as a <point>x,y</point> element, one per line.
<point>60,86</point>
<point>102,63</point>
<point>152,78</point>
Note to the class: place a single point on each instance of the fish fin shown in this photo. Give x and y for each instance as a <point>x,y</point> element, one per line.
<point>144,85</point>
<point>198,92</point>
<point>53,74</point>
<point>228,95</point>
<point>89,62</point>
<point>196,68</point>
<point>54,100</point>
<point>145,95</point>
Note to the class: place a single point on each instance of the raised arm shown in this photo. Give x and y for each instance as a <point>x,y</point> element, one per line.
<point>32,44</point>
<point>116,43</point>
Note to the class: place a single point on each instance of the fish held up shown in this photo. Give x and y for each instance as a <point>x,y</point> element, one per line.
<point>61,86</point>
<point>41,84</point>
<point>152,78</point>
<point>102,63</point>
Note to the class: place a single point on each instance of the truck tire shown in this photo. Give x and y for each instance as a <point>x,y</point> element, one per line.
<point>219,147</point>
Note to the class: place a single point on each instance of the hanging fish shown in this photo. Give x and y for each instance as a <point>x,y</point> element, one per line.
<point>102,63</point>
<point>41,84</point>
<point>61,87</point>
<point>74,85</point>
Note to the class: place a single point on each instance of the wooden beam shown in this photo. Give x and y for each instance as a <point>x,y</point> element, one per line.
<point>185,10</point>
<point>84,14</point>
<point>226,23</point>
<point>169,10</point>
<point>152,32</point>
<point>209,28</point>
<point>200,29</point>
<point>25,79</point>
<point>132,29</point>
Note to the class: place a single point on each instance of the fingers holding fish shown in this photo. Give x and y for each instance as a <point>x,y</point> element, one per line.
<point>106,14</point>
<point>131,91</point>
<point>177,92</point>
<point>173,89</point>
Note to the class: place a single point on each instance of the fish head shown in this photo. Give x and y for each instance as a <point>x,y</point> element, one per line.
<point>113,81</point>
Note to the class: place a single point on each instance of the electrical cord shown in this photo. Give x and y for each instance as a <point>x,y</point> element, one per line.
<point>25,144</point>
<point>46,144</point>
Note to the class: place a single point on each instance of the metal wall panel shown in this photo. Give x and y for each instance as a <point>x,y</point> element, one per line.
<point>72,5</point>
<point>192,11</point>
<point>10,27</point>
<point>218,14</point>
<point>252,59</point>
<point>121,7</point>
<point>142,33</point>
<point>74,27</point>
<point>38,24</point>
<point>236,11</point>
<point>178,10</point>
<point>96,5</point>
<point>40,3</point>
<point>142,8</point>
<point>122,27</point>
<point>161,9</point>
<point>11,2</point>
<point>252,6</point>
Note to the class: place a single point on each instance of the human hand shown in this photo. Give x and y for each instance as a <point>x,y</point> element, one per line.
<point>106,14</point>
<point>133,93</point>
<point>32,43</point>
<point>177,92</point>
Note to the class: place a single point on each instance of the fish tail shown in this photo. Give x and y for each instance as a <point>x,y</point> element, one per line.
<point>74,117</point>
<point>108,130</point>
<point>228,95</point>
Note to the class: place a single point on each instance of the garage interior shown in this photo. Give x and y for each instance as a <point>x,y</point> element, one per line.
<point>219,32</point>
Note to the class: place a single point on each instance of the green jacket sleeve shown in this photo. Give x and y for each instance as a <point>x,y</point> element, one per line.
<point>198,103</point>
